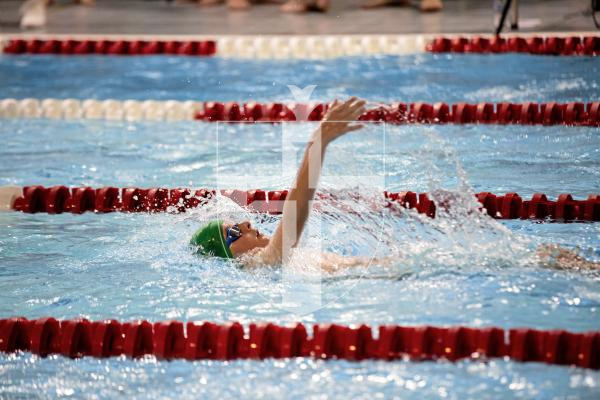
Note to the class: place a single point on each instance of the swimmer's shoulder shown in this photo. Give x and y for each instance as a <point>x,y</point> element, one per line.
<point>261,257</point>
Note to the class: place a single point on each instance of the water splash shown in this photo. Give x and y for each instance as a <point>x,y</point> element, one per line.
<point>461,235</point>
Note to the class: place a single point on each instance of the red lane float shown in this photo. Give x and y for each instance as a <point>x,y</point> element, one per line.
<point>59,199</point>
<point>206,340</point>
<point>551,113</point>
<point>556,46</point>
<point>111,47</point>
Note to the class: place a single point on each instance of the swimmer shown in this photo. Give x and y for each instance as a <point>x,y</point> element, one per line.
<point>247,245</point>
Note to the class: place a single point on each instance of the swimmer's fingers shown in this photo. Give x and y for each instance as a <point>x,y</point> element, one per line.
<point>339,119</point>
<point>350,110</point>
<point>350,107</point>
<point>340,111</point>
<point>357,104</point>
<point>354,110</point>
<point>332,109</point>
<point>354,127</point>
<point>358,110</point>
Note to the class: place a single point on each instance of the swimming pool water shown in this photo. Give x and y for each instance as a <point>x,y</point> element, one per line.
<point>461,268</point>
<point>423,77</point>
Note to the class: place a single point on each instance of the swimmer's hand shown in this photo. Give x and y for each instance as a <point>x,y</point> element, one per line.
<point>340,119</point>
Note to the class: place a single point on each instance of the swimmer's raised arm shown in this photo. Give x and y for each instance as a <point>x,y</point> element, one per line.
<point>339,120</point>
<point>240,240</point>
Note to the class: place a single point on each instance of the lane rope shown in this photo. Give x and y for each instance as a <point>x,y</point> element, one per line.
<point>550,45</point>
<point>528,113</point>
<point>77,200</point>
<point>303,46</point>
<point>206,340</point>
<point>110,47</point>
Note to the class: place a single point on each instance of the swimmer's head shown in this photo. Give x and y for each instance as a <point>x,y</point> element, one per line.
<point>228,240</point>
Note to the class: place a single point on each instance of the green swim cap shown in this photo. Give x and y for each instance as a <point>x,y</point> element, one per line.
<point>210,240</point>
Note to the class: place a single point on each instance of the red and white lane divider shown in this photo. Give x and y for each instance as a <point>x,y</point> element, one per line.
<point>229,341</point>
<point>59,199</point>
<point>551,45</point>
<point>304,46</point>
<point>552,113</point>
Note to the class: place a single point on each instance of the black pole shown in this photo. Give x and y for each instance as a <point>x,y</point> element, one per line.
<point>503,17</point>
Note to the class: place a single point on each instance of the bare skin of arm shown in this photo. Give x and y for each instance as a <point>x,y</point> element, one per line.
<point>554,256</point>
<point>339,120</point>
<point>549,256</point>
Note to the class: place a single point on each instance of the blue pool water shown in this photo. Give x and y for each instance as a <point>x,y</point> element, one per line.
<point>461,268</point>
<point>422,77</point>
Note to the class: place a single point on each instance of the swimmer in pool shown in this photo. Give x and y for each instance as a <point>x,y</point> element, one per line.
<point>246,244</point>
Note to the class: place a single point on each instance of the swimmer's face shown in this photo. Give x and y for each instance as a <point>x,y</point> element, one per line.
<point>251,239</point>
